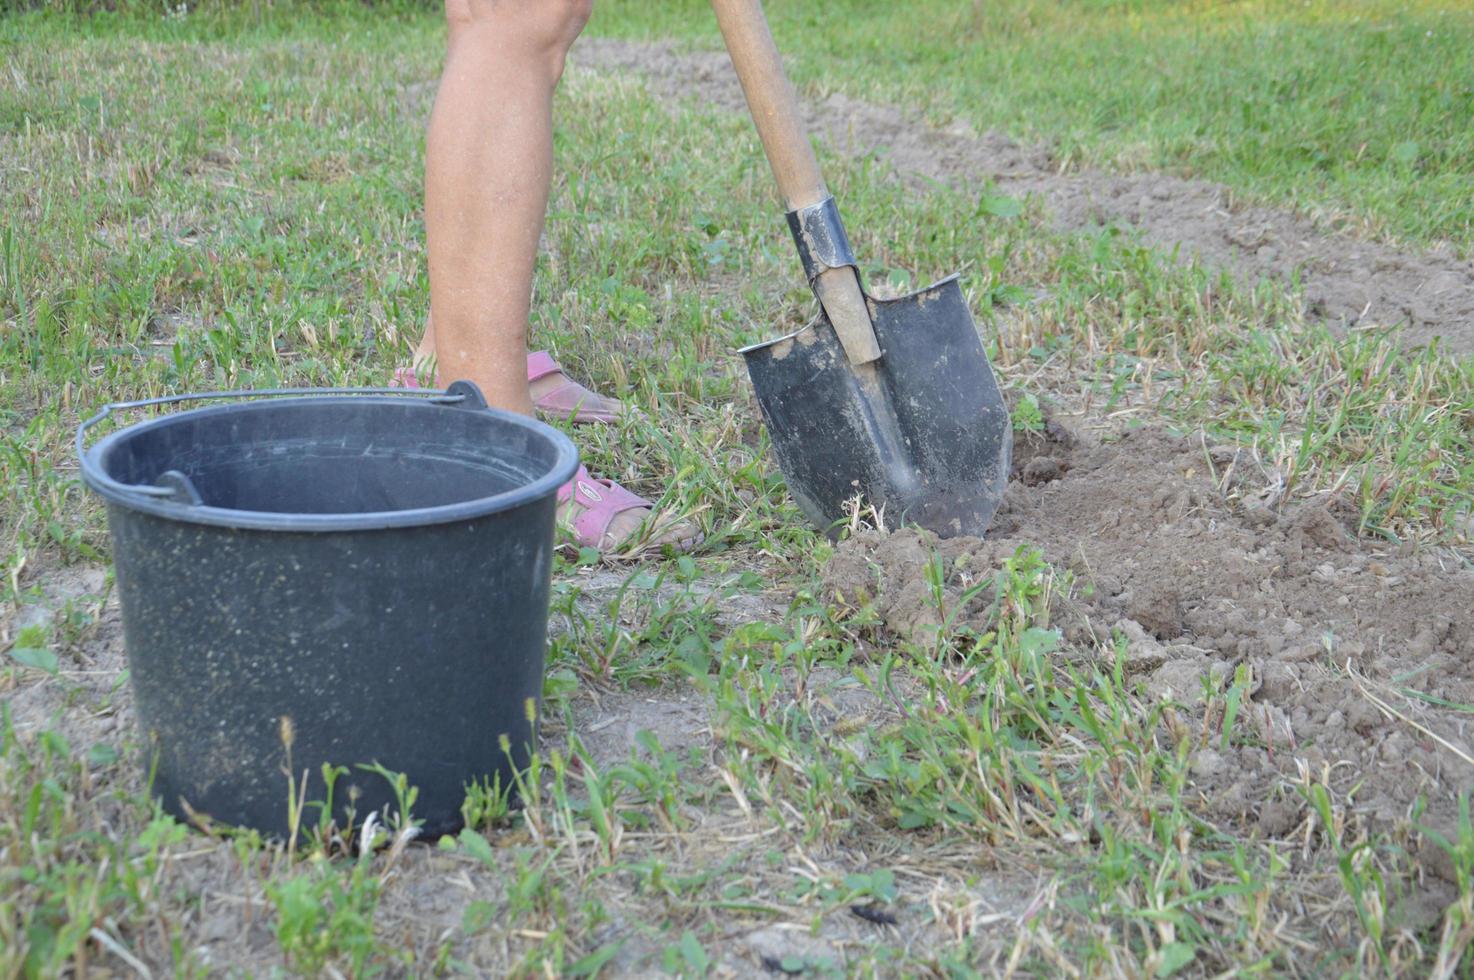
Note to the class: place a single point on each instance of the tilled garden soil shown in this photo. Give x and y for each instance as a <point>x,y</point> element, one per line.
<point>1347,281</point>
<point>1187,565</point>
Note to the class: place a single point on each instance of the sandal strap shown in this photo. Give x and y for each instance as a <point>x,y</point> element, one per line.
<point>598,502</point>
<point>575,403</point>
<point>540,364</point>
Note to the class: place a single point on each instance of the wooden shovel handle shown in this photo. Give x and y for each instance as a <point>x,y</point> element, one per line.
<point>774,109</point>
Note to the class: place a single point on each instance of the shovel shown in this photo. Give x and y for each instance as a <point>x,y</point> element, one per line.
<point>891,401</point>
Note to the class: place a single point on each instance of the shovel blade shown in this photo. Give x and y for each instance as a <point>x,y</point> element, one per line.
<point>923,434</point>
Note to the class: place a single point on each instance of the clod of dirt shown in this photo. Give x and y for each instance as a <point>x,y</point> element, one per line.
<point>1278,818</point>
<point>887,572</point>
<point>1347,644</point>
<point>1347,281</point>
<point>1043,469</point>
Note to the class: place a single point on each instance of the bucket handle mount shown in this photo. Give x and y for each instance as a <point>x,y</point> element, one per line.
<point>175,486</point>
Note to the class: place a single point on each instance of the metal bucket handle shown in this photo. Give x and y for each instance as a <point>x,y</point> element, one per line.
<point>174,485</point>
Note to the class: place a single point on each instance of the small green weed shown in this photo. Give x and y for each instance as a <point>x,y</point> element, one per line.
<point>324,914</point>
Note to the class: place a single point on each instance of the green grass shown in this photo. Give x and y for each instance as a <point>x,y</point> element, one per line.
<point>1353,111</point>
<point>233,201</point>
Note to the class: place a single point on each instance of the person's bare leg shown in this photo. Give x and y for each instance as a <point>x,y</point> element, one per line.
<point>488,165</point>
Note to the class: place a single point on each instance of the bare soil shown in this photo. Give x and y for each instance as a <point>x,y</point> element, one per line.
<point>1348,281</point>
<point>1185,556</point>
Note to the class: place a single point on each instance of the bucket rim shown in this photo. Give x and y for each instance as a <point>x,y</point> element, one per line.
<point>563,468</point>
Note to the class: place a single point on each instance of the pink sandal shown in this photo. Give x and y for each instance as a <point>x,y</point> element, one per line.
<point>570,400</point>
<point>599,502</point>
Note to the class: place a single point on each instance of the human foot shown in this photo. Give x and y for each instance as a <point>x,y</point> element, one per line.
<point>554,394</point>
<point>557,396</point>
<point>603,515</point>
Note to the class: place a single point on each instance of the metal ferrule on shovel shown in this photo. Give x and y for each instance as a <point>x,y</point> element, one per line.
<point>891,401</point>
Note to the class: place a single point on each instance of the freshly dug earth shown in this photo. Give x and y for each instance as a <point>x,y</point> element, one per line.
<point>1187,564</point>
<point>1347,281</point>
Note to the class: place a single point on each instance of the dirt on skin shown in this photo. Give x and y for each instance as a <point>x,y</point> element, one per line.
<point>1184,555</point>
<point>1348,281</point>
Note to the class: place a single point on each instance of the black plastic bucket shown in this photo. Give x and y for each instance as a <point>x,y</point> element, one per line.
<point>350,578</point>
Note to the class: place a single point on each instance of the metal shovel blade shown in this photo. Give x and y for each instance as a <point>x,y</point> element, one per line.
<point>922,434</point>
